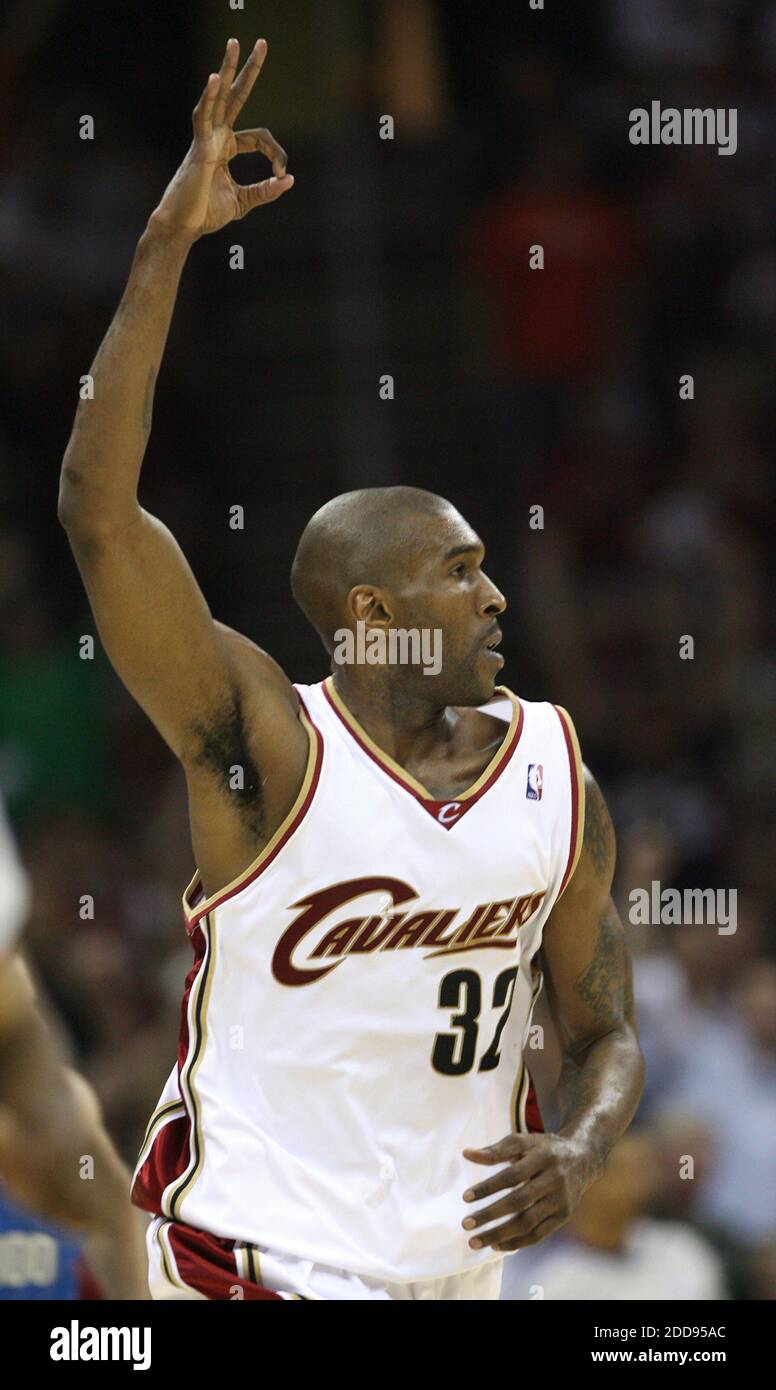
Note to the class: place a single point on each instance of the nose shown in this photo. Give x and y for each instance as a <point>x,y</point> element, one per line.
<point>491,600</point>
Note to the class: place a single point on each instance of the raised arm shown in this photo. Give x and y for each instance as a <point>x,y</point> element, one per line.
<point>151,615</point>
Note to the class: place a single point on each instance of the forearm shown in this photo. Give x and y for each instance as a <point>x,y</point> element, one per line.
<point>102,462</point>
<point>599,1091</point>
<point>57,1159</point>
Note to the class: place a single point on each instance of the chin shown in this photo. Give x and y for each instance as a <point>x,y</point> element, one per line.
<point>475,689</point>
<point>469,685</point>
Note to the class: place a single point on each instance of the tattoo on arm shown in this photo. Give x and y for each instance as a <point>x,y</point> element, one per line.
<point>599,840</point>
<point>603,985</point>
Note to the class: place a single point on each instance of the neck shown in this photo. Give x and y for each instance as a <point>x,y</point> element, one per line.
<point>403,723</point>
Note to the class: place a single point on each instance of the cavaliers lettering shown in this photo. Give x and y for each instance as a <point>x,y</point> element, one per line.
<point>491,925</point>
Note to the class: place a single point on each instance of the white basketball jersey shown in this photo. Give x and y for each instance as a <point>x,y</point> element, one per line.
<point>360,999</point>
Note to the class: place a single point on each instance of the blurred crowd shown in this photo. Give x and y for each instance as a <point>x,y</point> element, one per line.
<point>517,388</point>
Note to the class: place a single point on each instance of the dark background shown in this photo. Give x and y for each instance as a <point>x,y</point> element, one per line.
<point>513,388</point>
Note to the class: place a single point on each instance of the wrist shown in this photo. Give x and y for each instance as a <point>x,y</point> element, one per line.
<point>591,1153</point>
<point>159,233</point>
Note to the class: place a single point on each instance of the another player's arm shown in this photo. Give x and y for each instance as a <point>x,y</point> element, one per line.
<point>589,984</point>
<point>151,615</point>
<point>50,1123</point>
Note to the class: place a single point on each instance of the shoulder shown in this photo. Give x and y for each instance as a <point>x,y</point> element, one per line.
<point>599,843</point>
<point>593,871</point>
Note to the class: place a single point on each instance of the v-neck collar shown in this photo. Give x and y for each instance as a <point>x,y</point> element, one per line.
<point>445,813</point>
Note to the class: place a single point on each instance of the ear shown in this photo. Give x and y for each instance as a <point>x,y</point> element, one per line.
<point>370,605</point>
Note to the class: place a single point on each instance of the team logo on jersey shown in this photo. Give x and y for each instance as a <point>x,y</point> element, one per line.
<point>491,925</point>
<point>450,812</point>
<point>534,782</point>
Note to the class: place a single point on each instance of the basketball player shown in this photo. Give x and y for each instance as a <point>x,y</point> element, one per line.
<point>389,863</point>
<point>50,1119</point>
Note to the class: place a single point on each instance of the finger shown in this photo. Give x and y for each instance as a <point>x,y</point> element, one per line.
<point>520,1228</point>
<point>519,1172</point>
<point>202,115</point>
<point>249,141</point>
<point>226,77</point>
<point>516,1203</point>
<point>540,1232</point>
<point>510,1147</point>
<point>252,195</point>
<point>243,84</point>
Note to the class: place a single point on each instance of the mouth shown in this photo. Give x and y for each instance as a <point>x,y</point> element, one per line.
<point>491,644</point>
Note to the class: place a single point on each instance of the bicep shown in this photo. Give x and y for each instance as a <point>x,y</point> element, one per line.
<point>588,975</point>
<point>156,627</point>
<point>584,951</point>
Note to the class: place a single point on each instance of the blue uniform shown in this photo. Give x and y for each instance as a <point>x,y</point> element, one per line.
<point>36,1259</point>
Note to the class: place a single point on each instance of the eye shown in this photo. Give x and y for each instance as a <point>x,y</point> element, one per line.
<point>458,569</point>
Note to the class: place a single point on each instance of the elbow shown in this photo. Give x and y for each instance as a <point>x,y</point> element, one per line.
<point>88,519</point>
<point>69,508</point>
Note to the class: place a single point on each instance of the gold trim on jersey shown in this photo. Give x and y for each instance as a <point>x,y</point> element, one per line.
<point>205,904</point>
<point>517,1102</point>
<point>168,1257</point>
<point>197,1021</point>
<point>577,773</point>
<point>401,773</point>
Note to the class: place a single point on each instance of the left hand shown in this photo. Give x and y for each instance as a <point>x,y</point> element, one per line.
<point>202,196</point>
<point>543,1183</point>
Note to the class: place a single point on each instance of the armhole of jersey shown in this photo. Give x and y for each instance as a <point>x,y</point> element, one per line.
<point>577,832</point>
<point>195,904</point>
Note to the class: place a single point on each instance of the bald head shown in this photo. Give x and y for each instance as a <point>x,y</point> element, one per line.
<point>363,537</point>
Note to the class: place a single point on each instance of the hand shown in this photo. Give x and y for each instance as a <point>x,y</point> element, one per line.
<point>203,196</point>
<point>545,1179</point>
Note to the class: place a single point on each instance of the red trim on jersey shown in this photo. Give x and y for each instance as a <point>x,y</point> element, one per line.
<point>169,1155</point>
<point>192,918</point>
<point>574,798</point>
<point>464,802</point>
<point>207,1263</point>
<point>533,1115</point>
<point>167,1160</point>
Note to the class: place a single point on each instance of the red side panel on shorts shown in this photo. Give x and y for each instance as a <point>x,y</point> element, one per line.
<point>207,1263</point>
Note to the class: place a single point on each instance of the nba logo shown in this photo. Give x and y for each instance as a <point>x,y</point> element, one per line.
<point>535,782</point>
